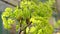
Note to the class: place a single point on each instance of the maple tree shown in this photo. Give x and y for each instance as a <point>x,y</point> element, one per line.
<point>32,17</point>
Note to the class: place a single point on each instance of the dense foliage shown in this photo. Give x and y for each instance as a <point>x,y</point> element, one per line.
<point>35,11</point>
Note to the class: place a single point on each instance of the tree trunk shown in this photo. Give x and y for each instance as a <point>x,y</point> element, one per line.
<point>58,8</point>
<point>13,29</point>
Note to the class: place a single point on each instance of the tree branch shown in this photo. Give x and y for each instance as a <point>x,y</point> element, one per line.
<point>25,28</point>
<point>8,3</point>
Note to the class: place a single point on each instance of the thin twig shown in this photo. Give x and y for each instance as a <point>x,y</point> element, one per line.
<point>26,26</point>
<point>8,3</point>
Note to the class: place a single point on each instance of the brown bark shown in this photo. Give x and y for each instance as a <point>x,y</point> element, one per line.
<point>13,29</point>
<point>58,8</point>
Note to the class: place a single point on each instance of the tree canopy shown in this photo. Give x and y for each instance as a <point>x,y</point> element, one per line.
<point>34,13</point>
